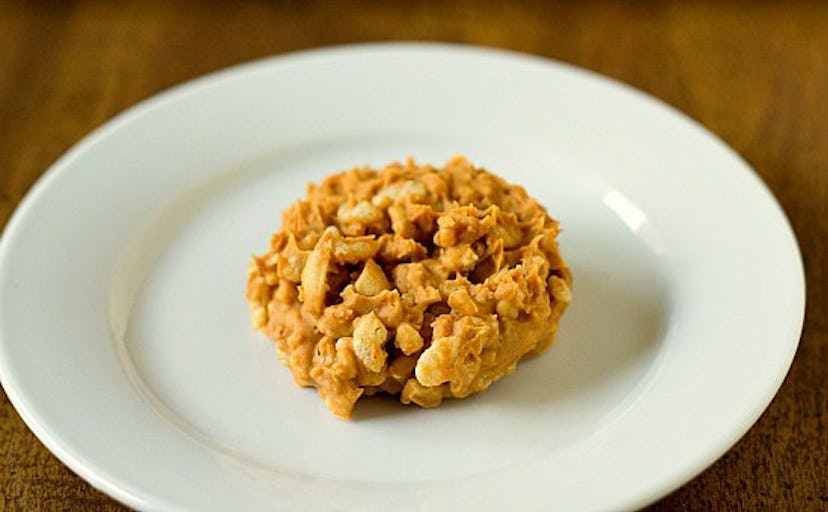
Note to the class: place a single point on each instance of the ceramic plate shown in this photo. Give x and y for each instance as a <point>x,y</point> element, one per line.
<point>125,340</point>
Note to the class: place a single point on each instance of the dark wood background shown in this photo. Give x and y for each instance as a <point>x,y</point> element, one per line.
<point>755,73</point>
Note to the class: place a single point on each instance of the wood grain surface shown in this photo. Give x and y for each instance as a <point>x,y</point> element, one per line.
<point>755,73</point>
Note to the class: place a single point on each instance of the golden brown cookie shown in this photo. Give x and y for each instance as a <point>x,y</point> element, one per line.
<point>415,281</point>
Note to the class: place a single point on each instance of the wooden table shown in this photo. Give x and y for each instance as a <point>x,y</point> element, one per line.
<point>756,74</point>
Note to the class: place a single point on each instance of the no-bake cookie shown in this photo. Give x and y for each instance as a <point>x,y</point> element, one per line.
<point>412,280</point>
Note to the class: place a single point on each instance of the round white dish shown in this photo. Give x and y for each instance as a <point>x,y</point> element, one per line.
<point>125,341</point>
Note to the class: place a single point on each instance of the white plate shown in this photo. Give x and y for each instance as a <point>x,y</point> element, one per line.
<point>125,341</point>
